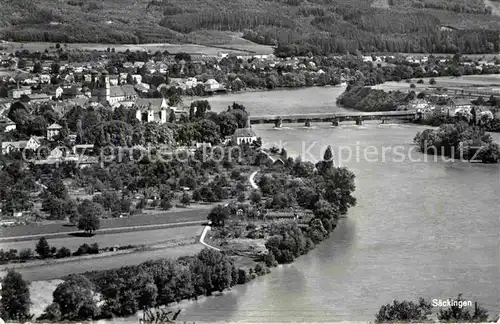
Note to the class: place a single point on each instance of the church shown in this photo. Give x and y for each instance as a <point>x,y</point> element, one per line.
<point>103,92</point>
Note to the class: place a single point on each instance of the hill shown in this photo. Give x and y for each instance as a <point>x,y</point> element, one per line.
<point>297,26</point>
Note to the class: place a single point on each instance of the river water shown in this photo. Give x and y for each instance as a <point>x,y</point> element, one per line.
<point>421,227</point>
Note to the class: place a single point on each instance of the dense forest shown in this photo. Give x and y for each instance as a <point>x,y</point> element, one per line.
<point>294,26</point>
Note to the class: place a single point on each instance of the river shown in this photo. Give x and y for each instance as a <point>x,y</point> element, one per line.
<point>421,228</point>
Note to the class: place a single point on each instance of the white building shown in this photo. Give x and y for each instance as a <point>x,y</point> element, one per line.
<point>244,135</point>
<point>31,144</point>
<point>53,131</point>
<point>152,110</point>
<point>212,85</point>
<point>18,92</point>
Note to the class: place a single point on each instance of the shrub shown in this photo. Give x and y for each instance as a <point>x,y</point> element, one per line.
<point>242,276</point>
<point>94,249</point>
<point>52,313</point>
<point>63,252</point>
<point>26,254</point>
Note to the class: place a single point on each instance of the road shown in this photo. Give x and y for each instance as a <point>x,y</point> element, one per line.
<point>251,179</point>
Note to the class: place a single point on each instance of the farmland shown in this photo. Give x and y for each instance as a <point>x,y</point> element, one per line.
<point>187,215</point>
<point>137,238</point>
<point>60,270</point>
<point>477,81</point>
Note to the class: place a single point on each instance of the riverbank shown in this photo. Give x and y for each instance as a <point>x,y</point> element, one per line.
<point>259,245</point>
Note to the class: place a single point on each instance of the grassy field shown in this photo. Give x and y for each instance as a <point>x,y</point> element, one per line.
<point>488,82</point>
<point>199,214</point>
<point>61,270</point>
<point>235,45</point>
<point>137,238</point>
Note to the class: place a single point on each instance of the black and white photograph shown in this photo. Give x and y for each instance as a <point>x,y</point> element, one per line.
<point>249,161</point>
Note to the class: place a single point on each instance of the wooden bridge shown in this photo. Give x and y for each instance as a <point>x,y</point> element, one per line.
<point>334,118</point>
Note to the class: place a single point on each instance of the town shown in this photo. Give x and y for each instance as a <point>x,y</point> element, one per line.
<point>80,131</point>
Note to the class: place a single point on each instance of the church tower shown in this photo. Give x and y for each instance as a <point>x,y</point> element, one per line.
<point>105,87</point>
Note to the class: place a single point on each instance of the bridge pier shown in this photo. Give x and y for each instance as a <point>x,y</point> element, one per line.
<point>278,123</point>
<point>359,121</point>
<point>383,120</point>
<point>335,122</point>
<point>307,123</point>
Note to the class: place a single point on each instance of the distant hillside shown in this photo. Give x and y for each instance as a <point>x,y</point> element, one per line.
<point>297,26</point>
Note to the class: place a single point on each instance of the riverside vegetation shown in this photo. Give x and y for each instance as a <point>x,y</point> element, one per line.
<point>322,191</point>
<point>409,311</point>
<point>459,140</point>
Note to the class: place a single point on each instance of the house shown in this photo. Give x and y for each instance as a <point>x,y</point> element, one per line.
<point>45,78</point>
<point>56,154</point>
<point>53,92</point>
<point>191,83</point>
<point>113,80</point>
<point>212,85</point>
<point>142,87</point>
<point>53,131</point>
<point>31,144</point>
<point>152,110</point>
<point>137,78</point>
<point>39,97</point>
<point>244,135</point>
<point>18,92</point>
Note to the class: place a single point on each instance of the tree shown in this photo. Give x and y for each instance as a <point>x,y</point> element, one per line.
<point>185,199</point>
<point>432,81</point>
<point>255,197</point>
<point>43,248</point>
<point>147,296</point>
<point>52,313</point>
<point>26,254</point>
<point>218,215</point>
<point>15,297</point>
<point>197,196</point>
<point>89,216</point>
<point>404,311</point>
<point>458,313</point>
<point>166,203</point>
<point>76,299</point>
<point>328,156</point>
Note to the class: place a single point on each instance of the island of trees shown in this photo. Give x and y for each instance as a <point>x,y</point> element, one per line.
<point>459,140</point>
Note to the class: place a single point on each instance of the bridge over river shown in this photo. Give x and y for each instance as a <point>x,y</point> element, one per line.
<point>334,118</point>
